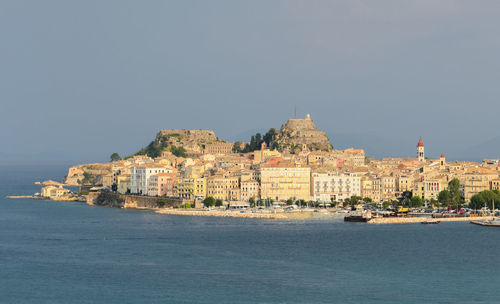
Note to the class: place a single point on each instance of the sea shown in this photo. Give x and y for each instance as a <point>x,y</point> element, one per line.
<point>68,252</point>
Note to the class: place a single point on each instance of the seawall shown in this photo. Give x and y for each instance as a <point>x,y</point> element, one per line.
<point>116,200</point>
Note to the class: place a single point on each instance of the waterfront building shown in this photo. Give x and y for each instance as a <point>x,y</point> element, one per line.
<point>107,180</point>
<point>123,183</point>
<point>388,186</point>
<point>473,183</point>
<point>54,192</point>
<point>429,189</point>
<point>370,187</point>
<point>223,187</point>
<point>249,189</point>
<point>283,180</point>
<point>190,188</point>
<point>140,176</point>
<point>162,184</point>
<point>335,187</point>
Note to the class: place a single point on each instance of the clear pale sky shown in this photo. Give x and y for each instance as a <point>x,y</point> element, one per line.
<point>83,79</point>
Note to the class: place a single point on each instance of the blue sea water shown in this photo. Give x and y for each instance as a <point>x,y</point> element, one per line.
<point>67,252</point>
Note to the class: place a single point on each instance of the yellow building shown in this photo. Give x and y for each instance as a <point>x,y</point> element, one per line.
<point>370,187</point>
<point>223,187</point>
<point>54,192</point>
<point>123,183</point>
<point>429,189</point>
<point>285,180</point>
<point>495,184</point>
<point>190,188</point>
<point>405,183</point>
<point>388,186</point>
<point>473,183</point>
<point>108,180</point>
<point>249,189</point>
<point>264,153</point>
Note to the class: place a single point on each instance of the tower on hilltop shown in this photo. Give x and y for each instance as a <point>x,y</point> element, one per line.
<point>420,150</point>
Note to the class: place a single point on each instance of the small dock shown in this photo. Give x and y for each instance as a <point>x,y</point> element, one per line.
<point>486,223</point>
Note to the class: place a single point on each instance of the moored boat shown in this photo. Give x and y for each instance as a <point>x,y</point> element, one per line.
<point>363,217</point>
<point>356,218</point>
<point>430,222</point>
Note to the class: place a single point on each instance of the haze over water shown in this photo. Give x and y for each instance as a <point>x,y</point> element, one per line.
<point>67,252</point>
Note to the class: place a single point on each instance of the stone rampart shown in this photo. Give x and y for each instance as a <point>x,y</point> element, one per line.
<point>191,135</point>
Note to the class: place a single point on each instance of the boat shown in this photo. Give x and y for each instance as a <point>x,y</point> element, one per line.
<point>363,217</point>
<point>356,218</point>
<point>430,222</point>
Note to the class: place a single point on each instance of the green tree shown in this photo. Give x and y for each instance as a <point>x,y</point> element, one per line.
<point>301,203</point>
<point>178,151</point>
<point>444,197</point>
<point>162,202</point>
<point>354,200</point>
<point>209,201</point>
<point>455,194</point>
<point>485,198</point>
<point>218,203</point>
<point>367,199</point>
<point>114,157</point>
<point>87,178</point>
<point>433,202</point>
<point>269,137</point>
<point>289,202</point>
<point>252,202</point>
<point>258,141</point>
<point>237,147</point>
<point>416,202</point>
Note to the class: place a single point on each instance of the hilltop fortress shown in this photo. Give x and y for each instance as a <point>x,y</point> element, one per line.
<point>302,133</point>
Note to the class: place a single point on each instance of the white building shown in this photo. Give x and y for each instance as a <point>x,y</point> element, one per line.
<point>139,177</point>
<point>328,187</point>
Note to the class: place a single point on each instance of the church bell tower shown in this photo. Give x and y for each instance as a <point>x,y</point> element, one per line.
<point>420,151</point>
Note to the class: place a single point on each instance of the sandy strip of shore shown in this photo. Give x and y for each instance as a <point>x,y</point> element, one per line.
<point>406,220</point>
<point>221,213</point>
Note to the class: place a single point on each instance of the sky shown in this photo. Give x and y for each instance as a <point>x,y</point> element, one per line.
<point>80,80</point>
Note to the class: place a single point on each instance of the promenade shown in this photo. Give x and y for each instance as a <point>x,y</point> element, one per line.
<point>221,213</point>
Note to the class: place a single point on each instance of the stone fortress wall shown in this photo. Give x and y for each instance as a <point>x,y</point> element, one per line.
<point>191,135</point>
<point>303,131</point>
